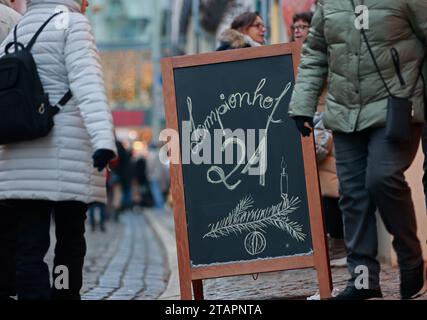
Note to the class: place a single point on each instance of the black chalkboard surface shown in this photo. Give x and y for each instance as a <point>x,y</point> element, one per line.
<point>245,217</point>
<point>245,185</point>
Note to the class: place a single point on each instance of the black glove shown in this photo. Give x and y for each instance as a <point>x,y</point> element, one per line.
<point>300,122</point>
<point>101,158</point>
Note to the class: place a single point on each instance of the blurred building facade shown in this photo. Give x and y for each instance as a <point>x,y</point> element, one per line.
<point>196,24</point>
<point>133,35</point>
<point>125,31</point>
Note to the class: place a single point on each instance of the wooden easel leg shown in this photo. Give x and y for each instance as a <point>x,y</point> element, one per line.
<point>186,291</point>
<point>325,280</point>
<point>321,259</point>
<point>198,289</point>
<point>185,285</point>
<point>323,268</point>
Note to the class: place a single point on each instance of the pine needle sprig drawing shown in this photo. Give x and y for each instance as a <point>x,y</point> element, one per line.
<point>232,218</point>
<point>244,218</point>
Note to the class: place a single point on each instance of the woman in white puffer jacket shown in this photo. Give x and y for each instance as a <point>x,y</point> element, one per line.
<point>60,173</point>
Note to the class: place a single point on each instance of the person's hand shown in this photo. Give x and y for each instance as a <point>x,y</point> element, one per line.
<point>101,158</point>
<point>300,122</point>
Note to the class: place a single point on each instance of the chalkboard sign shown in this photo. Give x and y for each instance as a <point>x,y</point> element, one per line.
<point>245,189</point>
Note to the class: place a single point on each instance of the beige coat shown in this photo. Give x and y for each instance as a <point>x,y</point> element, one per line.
<point>325,158</point>
<point>328,177</point>
<point>8,19</point>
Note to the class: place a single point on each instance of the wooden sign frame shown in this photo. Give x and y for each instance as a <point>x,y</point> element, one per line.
<point>193,276</point>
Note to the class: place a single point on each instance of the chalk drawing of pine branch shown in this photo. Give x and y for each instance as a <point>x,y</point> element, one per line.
<point>243,218</point>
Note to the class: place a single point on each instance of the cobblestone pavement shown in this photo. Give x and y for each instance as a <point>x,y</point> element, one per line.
<point>129,262</point>
<point>293,285</point>
<point>125,263</point>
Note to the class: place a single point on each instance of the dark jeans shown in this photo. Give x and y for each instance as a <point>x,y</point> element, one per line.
<point>371,175</point>
<point>102,208</point>
<point>24,242</point>
<point>8,244</point>
<point>333,217</point>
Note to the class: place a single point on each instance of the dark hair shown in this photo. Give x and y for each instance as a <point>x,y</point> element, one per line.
<point>245,20</point>
<point>304,16</point>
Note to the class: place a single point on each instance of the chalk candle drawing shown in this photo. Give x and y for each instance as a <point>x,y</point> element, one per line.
<point>284,179</point>
<point>245,218</point>
<point>260,155</point>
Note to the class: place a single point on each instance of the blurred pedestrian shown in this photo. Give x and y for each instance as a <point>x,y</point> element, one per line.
<point>165,180</point>
<point>140,175</point>
<point>247,30</point>
<point>122,175</point>
<point>9,16</point>
<point>100,208</point>
<point>364,78</point>
<point>301,24</point>
<point>155,170</point>
<point>62,172</point>
<point>110,209</point>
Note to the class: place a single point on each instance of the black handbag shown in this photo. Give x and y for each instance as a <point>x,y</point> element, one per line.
<point>399,119</point>
<point>399,109</point>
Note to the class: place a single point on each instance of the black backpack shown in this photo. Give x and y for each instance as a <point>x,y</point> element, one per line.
<point>25,110</point>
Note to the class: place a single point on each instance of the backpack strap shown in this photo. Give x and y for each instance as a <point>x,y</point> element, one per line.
<point>34,38</point>
<point>64,100</point>
<point>67,97</point>
<point>14,43</point>
<point>15,38</point>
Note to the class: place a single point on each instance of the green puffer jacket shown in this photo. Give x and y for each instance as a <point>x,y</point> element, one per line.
<point>336,52</point>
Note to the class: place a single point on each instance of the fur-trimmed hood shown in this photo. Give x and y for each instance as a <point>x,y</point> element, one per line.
<point>234,39</point>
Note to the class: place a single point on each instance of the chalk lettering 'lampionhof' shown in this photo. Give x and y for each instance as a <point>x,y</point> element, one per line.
<point>196,138</point>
